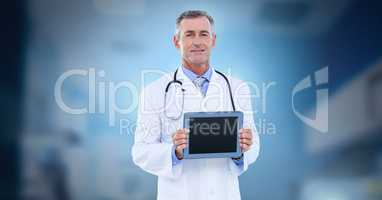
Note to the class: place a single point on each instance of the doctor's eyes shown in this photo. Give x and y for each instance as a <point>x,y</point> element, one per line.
<point>191,34</point>
<point>205,34</point>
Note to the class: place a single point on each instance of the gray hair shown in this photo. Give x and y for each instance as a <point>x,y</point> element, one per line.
<point>191,14</point>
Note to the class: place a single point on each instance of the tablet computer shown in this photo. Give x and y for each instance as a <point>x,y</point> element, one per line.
<point>213,134</point>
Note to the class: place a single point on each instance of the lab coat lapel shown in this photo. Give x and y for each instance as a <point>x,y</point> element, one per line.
<point>216,97</point>
<point>187,84</point>
<point>193,97</point>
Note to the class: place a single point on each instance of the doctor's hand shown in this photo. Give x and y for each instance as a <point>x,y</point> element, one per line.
<point>179,139</point>
<point>245,139</point>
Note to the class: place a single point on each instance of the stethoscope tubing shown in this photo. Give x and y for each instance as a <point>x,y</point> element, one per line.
<point>176,81</point>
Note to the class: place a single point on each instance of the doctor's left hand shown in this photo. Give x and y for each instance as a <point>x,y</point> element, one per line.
<point>179,139</point>
<point>245,139</point>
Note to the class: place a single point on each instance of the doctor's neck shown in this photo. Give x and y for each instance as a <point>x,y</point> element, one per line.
<point>197,69</point>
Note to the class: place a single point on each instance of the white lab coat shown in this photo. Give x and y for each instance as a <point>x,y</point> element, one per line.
<point>191,179</point>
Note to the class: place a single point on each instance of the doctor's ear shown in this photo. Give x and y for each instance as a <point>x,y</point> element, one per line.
<point>175,40</point>
<point>213,40</point>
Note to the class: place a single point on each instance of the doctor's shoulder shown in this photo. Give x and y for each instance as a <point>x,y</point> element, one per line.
<point>238,86</point>
<point>158,85</point>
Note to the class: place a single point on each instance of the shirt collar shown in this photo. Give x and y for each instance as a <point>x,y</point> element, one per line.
<point>192,76</point>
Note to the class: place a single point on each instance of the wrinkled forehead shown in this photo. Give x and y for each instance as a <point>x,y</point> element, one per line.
<point>197,24</point>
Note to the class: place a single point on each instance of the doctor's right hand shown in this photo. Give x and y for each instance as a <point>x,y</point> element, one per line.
<point>179,139</point>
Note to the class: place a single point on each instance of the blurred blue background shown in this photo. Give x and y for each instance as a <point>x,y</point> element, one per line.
<point>47,153</point>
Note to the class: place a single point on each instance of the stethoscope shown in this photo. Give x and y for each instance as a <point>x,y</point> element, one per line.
<point>176,81</point>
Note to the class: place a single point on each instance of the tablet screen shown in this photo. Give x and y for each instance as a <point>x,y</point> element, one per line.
<point>213,135</point>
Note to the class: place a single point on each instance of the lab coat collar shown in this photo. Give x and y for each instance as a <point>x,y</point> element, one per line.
<point>183,77</point>
<point>190,87</point>
<point>191,75</point>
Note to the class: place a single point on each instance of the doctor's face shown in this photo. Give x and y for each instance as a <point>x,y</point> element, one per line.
<point>195,40</point>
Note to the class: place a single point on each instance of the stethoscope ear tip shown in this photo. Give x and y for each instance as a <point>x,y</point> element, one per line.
<point>183,90</point>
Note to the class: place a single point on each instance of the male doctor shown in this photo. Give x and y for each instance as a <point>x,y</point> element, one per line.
<point>160,138</point>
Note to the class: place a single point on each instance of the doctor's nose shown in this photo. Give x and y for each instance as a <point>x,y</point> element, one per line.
<point>197,42</point>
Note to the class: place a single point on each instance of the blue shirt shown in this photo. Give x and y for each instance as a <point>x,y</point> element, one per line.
<point>192,76</point>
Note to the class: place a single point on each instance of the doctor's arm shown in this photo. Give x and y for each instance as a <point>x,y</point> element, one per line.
<point>149,152</point>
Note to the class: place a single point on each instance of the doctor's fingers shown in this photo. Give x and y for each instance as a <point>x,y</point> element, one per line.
<point>246,135</point>
<point>180,142</point>
<point>179,135</point>
<point>244,147</point>
<point>245,130</point>
<point>181,131</point>
<point>181,147</point>
<point>246,141</point>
